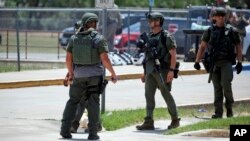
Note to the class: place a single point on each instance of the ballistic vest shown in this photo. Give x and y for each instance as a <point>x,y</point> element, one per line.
<point>158,42</point>
<point>85,48</point>
<point>221,45</point>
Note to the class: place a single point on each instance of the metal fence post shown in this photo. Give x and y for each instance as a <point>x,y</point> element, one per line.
<point>26,44</point>
<point>7,44</point>
<point>58,46</point>
<point>17,40</point>
<point>104,31</point>
<point>129,31</point>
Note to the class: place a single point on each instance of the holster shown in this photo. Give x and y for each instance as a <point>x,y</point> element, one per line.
<point>207,62</point>
<point>102,86</point>
<point>233,58</point>
<point>176,70</point>
<point>97,89</point>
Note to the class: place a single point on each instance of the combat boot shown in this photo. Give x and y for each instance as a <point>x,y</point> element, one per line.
<point>230,113</point>
<point>174,123</point>
<point>74,127</point>
<point>147,125</point>
<point>93,137</point>
<point>66,135</point>
<point>216,116</point>
<point>99,129</point>
<point>73,130</point>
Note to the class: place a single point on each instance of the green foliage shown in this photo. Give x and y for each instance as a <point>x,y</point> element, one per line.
<point>118,119</point>
<point>12,66</point>
<point>120,3</point>
<point>7,68</point>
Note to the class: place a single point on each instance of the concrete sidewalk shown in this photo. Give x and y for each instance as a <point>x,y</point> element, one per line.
<point>41,130</point>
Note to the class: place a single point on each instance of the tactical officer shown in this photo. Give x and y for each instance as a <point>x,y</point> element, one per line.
<point>114,24</point>
<point>221,41</point>
<point>83,103</point>
<point>160,61</point>
<point>87,52</point>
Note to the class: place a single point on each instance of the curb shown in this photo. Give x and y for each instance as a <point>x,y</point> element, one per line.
<point>50,82</point>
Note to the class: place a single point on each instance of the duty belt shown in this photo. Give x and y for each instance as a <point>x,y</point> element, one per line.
<point>86,65</point>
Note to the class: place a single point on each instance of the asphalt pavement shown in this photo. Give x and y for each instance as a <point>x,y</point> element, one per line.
<point>34,113</point>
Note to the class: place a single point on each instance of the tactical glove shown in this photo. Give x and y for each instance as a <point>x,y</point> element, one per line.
<point>197,66</point>
<point>238,67</point>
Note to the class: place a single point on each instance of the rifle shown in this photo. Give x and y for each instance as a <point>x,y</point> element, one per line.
<point>211,72</point>
<point>150,46</point>
<point>208,65</point>
<point>214,39</point>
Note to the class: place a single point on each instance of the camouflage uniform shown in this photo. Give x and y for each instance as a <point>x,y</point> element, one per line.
<point>114,23</point>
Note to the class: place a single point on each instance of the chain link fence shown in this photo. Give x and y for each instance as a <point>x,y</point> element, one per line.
<point>41,32</point>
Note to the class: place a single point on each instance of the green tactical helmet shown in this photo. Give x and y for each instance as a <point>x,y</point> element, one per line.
<point>156,15</point>
<point>87,17</point>
<point>219,11</point>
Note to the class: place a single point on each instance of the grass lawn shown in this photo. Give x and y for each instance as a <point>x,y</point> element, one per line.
<point>212,124</point>
<point>114,120</point>
<point>12,66</point>
<point>30,42</point>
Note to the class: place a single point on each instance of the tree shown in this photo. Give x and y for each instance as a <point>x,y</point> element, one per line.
<point>121,3</point>
<point>247,3</point>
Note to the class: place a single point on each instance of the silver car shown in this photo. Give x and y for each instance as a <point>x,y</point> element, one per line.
<point>65,36</point>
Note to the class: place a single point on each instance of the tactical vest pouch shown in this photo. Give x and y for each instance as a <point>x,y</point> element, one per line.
<point>222,47</point>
